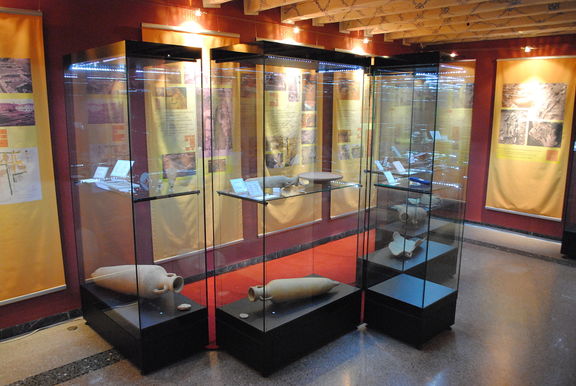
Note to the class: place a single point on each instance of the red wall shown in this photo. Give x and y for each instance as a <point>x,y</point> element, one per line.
<point>75,25</point>
<point>486,54</point>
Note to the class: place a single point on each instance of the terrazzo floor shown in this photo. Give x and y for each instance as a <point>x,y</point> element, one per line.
<point>515,325</point>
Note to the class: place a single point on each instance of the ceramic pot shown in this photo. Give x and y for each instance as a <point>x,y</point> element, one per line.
<point>426,199</point>
<point>410,214</point>
<point>153,280</point>
<point>284,290</point>
<point>401,246</point>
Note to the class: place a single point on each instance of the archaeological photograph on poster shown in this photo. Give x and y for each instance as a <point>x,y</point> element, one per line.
<point>513,127</point>
<point>222,121</point>
<point>17,112</point>
<point>532,113</point>
<point>15,76</point>
<point>285,119</point>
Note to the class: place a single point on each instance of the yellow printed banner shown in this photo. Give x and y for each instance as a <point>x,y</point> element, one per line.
<point>533,111</point>
<point>348,139</point>
<point>167,242</point>
<point>30,250</point>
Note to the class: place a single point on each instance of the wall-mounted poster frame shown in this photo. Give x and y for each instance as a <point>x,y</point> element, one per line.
<point>31,258</point>
<point>533,112</point>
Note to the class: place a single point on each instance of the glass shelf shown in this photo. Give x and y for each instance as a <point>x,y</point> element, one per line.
<point>169,195</point>
<point>404,186</point>
<point>407,173</point>
<point>288,193</point>
<point>139,194</point>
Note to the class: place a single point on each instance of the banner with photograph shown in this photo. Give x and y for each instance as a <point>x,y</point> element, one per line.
<point>292,140</point>
<point>167,240</point>
<point>174,139</point>
<point>533,111</point>
<point>31,257</point>
<point>348,138</point>
<point>453,125</point>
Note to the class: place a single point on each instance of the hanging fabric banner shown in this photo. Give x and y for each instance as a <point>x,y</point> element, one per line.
<point>348,138</point>
<point>533,111</point>
<point>30,250</point>
<point>169,238</point>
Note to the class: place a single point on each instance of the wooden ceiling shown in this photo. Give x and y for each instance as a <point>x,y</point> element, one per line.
<point>428,22</point>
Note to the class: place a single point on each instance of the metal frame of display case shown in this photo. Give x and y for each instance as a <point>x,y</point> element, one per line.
<point>263,334</point>
<point>115,216</point>
<point>411,294</point>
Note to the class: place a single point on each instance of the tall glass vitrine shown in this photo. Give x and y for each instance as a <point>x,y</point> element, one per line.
<point>135,132</point>
<point>288,145</point>
<point>422,108</point>
<point>568,248</point>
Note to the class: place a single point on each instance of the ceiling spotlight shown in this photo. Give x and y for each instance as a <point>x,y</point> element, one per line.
<point>453,54</point>
<point>296,30</point>
<point>198,12</point>
<point>528,49</point>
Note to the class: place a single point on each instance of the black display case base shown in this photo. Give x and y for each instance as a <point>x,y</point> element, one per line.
<point>431,259</point>
<point>274,335</point>
<point>410,309</point>
<point>568,248</point>
<point>150,334</point>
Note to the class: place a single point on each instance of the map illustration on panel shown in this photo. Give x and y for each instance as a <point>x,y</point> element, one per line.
<point>15,76</point>
<point>19,176</point>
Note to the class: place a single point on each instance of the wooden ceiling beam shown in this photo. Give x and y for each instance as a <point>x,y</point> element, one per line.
<point>318,8</point>
<point>213,3</point>
<point>495,24</point>
<point>566,31</point>
<point>252,7</point>
<point>364,15</point>
<point>411,21</point>
<point>566,28</point>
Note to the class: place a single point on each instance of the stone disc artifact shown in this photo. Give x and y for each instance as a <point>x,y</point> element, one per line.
<point>320,177</point>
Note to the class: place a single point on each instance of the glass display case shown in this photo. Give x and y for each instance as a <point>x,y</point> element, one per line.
<point>287,153</point>
<point>135,135</point>
<point>422,109</point>
<point>568,248</point>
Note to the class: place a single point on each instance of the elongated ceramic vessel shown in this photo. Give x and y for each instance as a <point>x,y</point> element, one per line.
<point>153,280</point>
<point>401,246</point>
<point>410,214</point>
<point>284,290</point>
